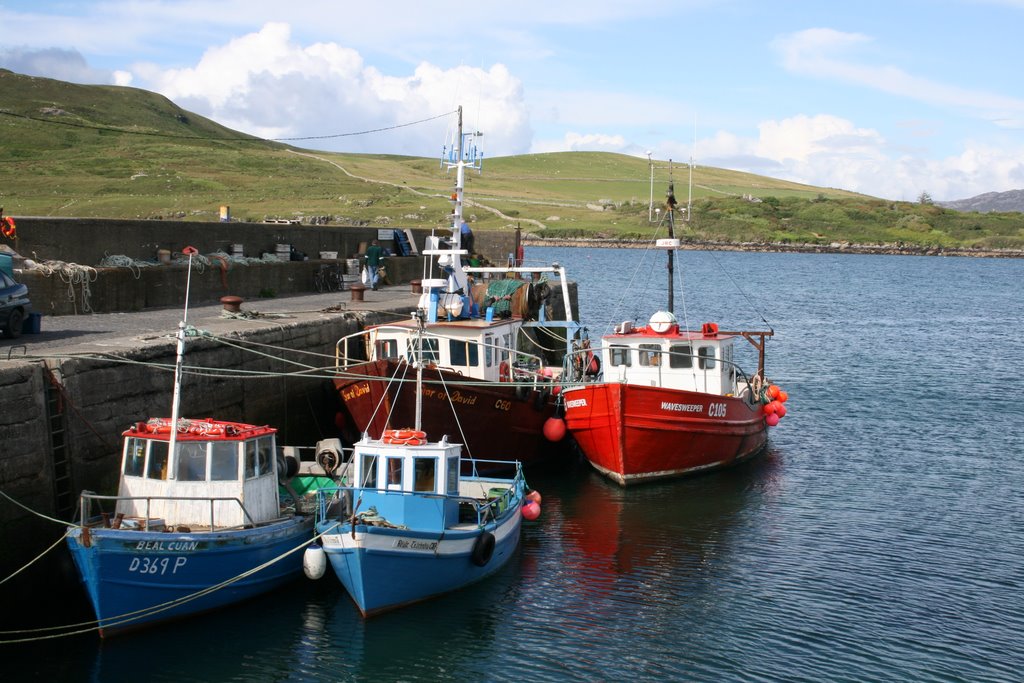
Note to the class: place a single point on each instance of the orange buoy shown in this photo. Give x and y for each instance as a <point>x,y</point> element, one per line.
<point>554,429</point>
<point>773,391</point>
<point>534,496</point>
<point>783,396</point>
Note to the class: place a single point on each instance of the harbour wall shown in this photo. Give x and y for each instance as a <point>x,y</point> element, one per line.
<point>82,244</point>
<point>61,419</point>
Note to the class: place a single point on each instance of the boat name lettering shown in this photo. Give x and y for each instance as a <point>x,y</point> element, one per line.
<point>502,404</point>
<point>682,407</point>
<point>167,545</point>
<point>717,410</point>
<point>407,544</point>
<point>459,397</point>
<point>576,403</point>
<point>357,390</point>
<point>157,565</point>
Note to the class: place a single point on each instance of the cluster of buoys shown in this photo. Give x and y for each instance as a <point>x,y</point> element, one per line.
<point>531,508</point>
<point>775,409</point>
<point>404,437</point>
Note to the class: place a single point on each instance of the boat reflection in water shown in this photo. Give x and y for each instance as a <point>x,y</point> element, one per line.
<point>649,547</point>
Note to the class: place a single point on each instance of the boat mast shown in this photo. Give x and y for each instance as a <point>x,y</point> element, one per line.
<point>176,395</point>
<point>463,155</point>
<point>670,202</point>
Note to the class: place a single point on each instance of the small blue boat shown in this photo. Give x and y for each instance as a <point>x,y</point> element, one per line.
<point>198,521</point>
<point>191,533</point>
<point>415,525</point>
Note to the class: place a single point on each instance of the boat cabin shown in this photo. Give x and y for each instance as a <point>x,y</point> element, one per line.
<point>662,355</point>
<point>474,348</point>
<point>220,475</point>
<point>407,483</point>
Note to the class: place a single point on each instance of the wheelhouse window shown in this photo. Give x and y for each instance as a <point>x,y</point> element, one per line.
<point>680,356</point>
<point>191,461</point>
<point>423,470</point>
<point>259,456</point>
<point>135,457</point>
<point>386,348</point>
<point>650,355</point>
<point>489,350</point>
<point>463,353</point>
<point>706,357</point>
<point>619,355</point>
<point>430,353</point>
<point>369,467</point>
<point>157,467</point>
<point>453,476</point>
<point>224,461</point>
<point>394,472</point>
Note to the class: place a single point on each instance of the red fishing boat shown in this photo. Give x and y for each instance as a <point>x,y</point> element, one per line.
<point>493,354</point>
<point>671,401</point>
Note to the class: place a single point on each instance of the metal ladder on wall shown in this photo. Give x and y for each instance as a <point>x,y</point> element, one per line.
<point>64,501</point>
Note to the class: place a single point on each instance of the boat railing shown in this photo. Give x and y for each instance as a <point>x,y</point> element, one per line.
<point>525,366</point>
<point>485,508</point>
<point>88,498</point>
<point>579,358</point>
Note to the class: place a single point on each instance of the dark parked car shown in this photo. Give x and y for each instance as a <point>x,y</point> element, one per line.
<point>14,305</point>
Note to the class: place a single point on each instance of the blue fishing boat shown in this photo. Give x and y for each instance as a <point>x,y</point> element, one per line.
<point>198,521</point>
<point>414,525</point>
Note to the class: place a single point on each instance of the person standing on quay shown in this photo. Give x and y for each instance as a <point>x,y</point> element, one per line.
<point>374,253</point>
<point>466,237</point>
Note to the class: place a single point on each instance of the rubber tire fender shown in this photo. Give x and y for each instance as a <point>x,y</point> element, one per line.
<point>483,549</point>
<point>12,330</point>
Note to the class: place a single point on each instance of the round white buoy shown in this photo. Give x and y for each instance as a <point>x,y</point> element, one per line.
<point>662,321</point>
<point>314,562</point>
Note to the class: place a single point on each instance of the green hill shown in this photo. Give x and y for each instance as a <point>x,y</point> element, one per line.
<point>106,151</point>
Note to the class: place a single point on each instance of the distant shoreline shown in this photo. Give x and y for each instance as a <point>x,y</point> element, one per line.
<point>834,248</point>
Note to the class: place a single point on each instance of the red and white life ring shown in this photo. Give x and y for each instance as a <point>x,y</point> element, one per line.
<point>504,372</point>
<point>404,437</point>
<point>7,227</point>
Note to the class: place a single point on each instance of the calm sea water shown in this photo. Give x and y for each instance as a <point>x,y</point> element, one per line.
<point>881,537</point>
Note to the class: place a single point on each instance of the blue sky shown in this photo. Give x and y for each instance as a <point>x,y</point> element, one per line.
<point>887,98</point>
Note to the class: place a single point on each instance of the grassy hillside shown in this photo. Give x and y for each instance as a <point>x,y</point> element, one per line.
<point>71,150</point>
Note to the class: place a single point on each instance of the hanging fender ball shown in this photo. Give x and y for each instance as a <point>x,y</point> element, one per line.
<point>314,561</point>
<point>554,429</point>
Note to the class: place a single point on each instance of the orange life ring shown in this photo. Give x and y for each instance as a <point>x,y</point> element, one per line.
<point>504,371</point>
<point>7,226</point>
<point>404,437</point>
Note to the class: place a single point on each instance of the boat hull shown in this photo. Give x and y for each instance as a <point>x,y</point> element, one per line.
<point>386,568</point>
<point>139,578</point>
<point>634,433</point>
<point>499,421</point>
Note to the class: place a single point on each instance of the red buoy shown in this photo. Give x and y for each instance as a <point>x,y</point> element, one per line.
<point>769,408</point>
<point>531,511</point>
<point>554,429</point>
<point>772,420</point>
<point>534,496</point>
<point>780,410</point>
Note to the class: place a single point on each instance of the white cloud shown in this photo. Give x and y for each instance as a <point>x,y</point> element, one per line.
<point>819,52</point>
<point>61,64</point>
<point>578,142</point>
<point>266,84</point>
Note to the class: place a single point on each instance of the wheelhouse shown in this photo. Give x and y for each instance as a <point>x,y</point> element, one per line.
<point>405,482</point>
<point>219,475</point>
<point>662,355</point>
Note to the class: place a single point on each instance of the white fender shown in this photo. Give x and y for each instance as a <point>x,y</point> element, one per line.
<point>314,562</point>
